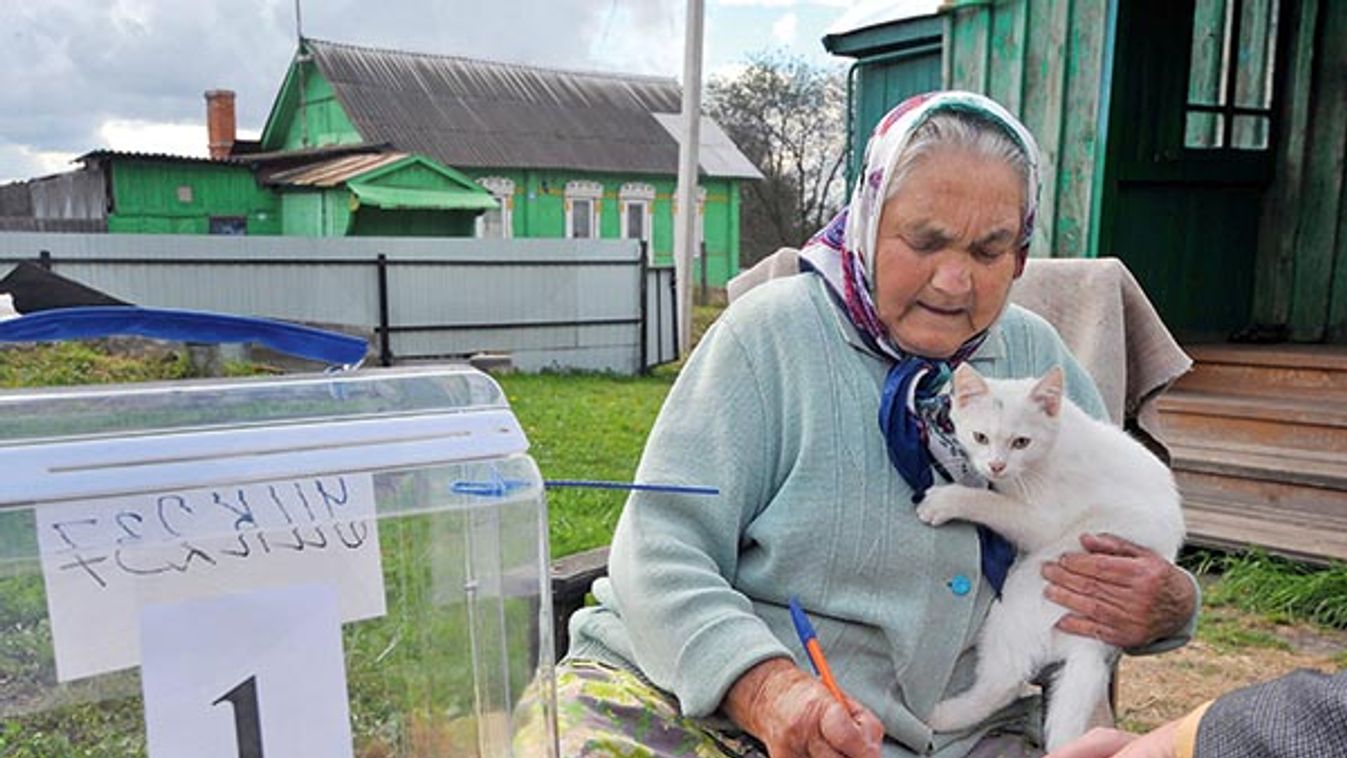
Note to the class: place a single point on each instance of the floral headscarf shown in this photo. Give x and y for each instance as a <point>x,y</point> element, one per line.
<point>913,414</point>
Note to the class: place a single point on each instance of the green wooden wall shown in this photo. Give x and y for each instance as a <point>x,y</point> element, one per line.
<point>165,197</point>
<point>324,123</point>
<point>893,64</point>
<point>1221,239</point>
<point>316,213</point>
<point>1184,217</point>
<point>377,222</point>
<point>1302,248</point>
<point>1046,61</point>
<point>539,210</point>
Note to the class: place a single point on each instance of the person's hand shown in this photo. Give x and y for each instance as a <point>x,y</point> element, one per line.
<point>795,716</point>
<point>1119,592</point>
<point>1111,743</point>
<point>1096,743</point>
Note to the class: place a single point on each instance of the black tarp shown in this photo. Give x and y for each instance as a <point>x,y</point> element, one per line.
<point>34,289</point>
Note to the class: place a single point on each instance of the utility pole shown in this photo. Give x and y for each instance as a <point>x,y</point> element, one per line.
<point>685,220</point>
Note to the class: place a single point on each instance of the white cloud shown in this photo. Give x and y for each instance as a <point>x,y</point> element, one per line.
<point>727,71</point>
<point>645,38</point>
<point>786,28</point>
<point>76,75</point>
<point>130,135</point>
<point>23,162</point>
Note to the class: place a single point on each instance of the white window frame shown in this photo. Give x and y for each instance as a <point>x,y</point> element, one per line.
<point>588,191</point>
<point>502,189</point>
<point>637,194</point>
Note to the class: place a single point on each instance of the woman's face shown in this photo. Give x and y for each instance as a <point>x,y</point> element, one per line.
<point>945,251</point>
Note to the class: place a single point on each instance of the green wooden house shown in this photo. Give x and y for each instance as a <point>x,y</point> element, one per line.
<point>349,191</point>
<point>564,154</point>
<point>1201,141</point>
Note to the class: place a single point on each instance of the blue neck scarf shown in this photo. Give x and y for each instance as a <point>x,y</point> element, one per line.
<point>911,386</point>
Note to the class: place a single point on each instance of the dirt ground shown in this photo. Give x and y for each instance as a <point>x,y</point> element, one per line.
<point>1155,689</point>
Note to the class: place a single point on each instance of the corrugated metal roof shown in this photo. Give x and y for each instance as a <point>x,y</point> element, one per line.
<point>717,154</point>
<point>470,113</point>
<point>333,172</point>
<point>304,154</point>
<point>94,155</point>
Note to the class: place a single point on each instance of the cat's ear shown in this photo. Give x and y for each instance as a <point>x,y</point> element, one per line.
<point>1048,392</point>
<point>968,385</point>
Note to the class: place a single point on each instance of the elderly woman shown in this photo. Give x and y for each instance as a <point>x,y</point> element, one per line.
<point>691,649</point>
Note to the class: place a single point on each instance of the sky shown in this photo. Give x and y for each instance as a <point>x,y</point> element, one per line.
<point>79,75</point>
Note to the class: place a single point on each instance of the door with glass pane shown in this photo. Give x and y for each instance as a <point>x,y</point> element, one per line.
<point>1191,151</point>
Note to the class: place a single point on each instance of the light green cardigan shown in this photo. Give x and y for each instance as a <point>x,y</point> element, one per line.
<point>778,408</point>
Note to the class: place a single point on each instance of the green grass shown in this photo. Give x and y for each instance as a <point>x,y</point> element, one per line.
<point>1228,634</point>
<point>68,363</point>
<point>1281,590</point>
<point>585,426</point>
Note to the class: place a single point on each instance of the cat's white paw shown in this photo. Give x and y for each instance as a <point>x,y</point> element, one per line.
<point>938,506</point>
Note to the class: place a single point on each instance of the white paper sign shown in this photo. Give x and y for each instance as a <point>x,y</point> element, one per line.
<point>246,676</point>
<point>105,559</point>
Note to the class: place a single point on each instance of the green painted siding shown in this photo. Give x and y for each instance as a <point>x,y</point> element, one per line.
<point>894,63</point>
<point>376,222</point>
<point>317,213</point>
<point>539,210</point>
<point>319,120</point>
<point>1302,255</point>
<point>1218,238</point>
<point>152,197</point>
<point>1186,221</point>
<point>1045,61</point>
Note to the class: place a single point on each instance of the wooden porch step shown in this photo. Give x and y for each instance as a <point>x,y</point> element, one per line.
<point>1318,470</point>
<point>1283,371</point>
<point>1202,417</point>
<point>1229,524</point>
<point>1292,503</point>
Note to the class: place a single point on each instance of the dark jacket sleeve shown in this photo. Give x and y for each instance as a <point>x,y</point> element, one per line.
<point>1301,714</point>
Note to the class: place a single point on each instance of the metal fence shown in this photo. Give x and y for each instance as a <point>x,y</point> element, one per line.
<point>549,303</point>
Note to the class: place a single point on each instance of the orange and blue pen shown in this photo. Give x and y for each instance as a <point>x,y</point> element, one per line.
<point>810,641</point>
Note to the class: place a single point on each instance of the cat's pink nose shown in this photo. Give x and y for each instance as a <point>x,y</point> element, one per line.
<point>997,466</point>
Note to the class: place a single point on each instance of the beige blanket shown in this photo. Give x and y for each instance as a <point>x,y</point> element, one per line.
<point>1099,309</point>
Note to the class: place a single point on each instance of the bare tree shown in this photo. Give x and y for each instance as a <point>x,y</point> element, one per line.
<point>788,117</point>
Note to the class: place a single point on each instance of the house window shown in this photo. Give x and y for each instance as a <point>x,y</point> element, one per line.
<point>582,209</point>
<point>1230,76</point>
<point>497,223</point>
<point>232,226</point>
<point>636,199</point>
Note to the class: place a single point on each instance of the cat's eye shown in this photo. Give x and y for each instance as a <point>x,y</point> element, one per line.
<point>1020,443</point>
<point>980,438</point>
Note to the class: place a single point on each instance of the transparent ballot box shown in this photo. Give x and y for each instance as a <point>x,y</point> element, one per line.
<point>339,565</point>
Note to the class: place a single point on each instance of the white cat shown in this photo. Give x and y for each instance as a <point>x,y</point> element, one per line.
<point>1057,473</point>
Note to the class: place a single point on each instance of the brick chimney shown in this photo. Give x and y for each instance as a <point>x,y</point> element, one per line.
<point>220,122</point>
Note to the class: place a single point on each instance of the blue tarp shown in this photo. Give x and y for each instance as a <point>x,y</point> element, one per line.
<point>60,324</point>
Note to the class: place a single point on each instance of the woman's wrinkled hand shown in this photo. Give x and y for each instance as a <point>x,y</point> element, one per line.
<point>1119,592</point>
<point>795,716</point>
